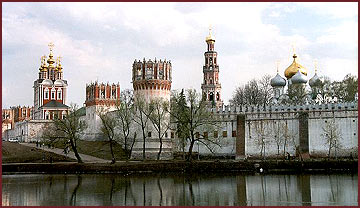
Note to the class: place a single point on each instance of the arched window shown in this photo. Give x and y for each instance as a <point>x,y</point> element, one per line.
<point>63,114</point>
<point>211,81</point>
<point>215,60</point>
<point>47,115</point>
<point>46,94</point>
<point>59,94</point>
<point>53,91</point>
<point>211,96</point>
<point>217,96</point>
<point>113,92</point>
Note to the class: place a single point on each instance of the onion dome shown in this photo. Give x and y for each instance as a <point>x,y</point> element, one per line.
<point>50,60</point>
<point>47,82</point>
<point>210,37</point>
<point>299,78</point>
<point>315,81</point>
<point>278,81</point>
<point>58,63</point>
<point>59,83</point>
<point>294,68</point>
<point>43,63</point>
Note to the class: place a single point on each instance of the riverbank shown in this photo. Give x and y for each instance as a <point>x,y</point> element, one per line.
<point>268,167</point>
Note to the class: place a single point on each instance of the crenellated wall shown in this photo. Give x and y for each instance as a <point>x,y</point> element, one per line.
<point>303,127</point>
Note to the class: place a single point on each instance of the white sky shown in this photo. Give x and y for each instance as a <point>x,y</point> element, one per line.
<point>100,41</point>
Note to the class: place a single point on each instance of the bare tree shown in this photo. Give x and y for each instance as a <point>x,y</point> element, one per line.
<point>125,112</point>
<point>67,129</point>
<point>141,117</point>
<point>260,140</point>
<point>160,119</point>
<point>287,137</point>
<point>109,124</point>
<point>194,118</point>
<point>278,137</point>
<point>331,134</point>
<point>254,92</point>
<point>266,89</point>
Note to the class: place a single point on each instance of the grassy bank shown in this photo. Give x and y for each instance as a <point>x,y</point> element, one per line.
<point>100,149</point>
<point>17,153</point>
<point>347,166</point>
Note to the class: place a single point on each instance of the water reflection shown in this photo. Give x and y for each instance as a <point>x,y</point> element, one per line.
<point>179,190</point>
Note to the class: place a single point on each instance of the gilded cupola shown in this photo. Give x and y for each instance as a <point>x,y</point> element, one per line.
<point>210,37</point>
<point>50,60</point>
<point>58,63</point>
<point>294,68</point>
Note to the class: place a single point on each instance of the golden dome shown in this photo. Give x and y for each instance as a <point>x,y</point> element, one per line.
<point>209,37</point>
<point>293,68</point>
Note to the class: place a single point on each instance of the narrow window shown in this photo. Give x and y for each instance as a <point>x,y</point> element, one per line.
<point>53,94</point>
<point>172,135</point>
<point>59,94</point>
<point>149,134</point>
<point>215,134</point>
<point>46,95</point>
<point>233,134</point>
<point>224,133</point>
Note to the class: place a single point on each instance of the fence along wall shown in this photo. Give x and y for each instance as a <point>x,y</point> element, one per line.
<point>302,125</point>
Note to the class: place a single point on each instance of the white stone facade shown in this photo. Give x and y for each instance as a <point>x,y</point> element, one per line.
<point>272,121</point>
<point>28,131</point>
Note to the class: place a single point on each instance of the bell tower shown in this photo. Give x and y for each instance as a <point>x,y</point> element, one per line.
<point>211,87</point>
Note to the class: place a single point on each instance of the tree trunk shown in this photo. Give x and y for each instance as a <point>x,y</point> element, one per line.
<point>128,154</point>
<point>159,153</point>
<point>190,149</point>
<point>112,152</point>
<point>144,138</point>
<point>75,151</point>
<point>183,147</point>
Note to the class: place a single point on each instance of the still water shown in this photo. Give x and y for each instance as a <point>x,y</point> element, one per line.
<point>179,190</point>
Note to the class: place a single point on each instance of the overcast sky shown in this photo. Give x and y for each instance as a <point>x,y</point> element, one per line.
<point>100,41</point>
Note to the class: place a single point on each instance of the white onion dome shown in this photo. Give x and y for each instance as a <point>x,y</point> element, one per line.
<point>278,81</point>
<point>315,81</point>
<point>59,83</point>
<point>47,82</point>
<point>299,78</point>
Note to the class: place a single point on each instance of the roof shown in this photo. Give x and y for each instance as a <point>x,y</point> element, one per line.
<point>54,104</point>
<point>81,111</point>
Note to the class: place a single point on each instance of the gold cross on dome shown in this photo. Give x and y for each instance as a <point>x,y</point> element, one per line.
<point>316,65</point>
<point>277,66</point>
<point>51,45</point>
<point>293,47</point>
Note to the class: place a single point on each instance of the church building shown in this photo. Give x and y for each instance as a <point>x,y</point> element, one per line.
<point>50,89</point>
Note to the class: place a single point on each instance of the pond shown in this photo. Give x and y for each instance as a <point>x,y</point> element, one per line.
<point>179,190</point>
